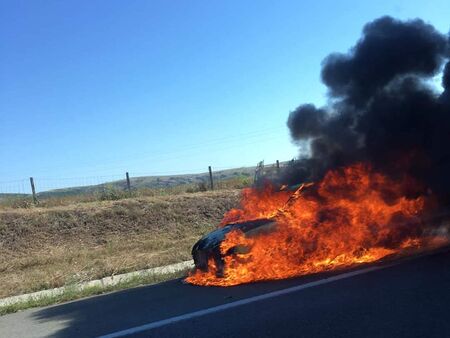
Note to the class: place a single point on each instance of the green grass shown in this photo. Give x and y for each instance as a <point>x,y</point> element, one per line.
<point>72,292</point>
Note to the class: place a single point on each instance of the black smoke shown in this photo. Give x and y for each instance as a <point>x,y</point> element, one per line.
<point>382,107</point>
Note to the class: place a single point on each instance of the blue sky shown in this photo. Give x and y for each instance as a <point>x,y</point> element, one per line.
<point>97,88</point>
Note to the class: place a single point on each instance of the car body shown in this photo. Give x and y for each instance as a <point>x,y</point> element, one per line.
<point>208,247</point>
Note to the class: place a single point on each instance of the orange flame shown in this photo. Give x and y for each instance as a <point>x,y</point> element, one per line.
<point>354,215</point>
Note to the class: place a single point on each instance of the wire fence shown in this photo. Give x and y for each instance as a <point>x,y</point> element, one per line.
<point>44,184</point>
<point>206,179</point>
<point>50,184</point>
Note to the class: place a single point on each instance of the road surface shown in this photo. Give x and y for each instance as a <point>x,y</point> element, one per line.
<point>410,298</point>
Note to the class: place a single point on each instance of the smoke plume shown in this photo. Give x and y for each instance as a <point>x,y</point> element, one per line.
<point>383,107</point>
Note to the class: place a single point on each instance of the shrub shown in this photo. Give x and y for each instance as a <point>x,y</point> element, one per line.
<point>109,193</point>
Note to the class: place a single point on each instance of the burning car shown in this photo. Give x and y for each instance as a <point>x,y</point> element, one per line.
<point>208,247</point>
<point>354,215</point>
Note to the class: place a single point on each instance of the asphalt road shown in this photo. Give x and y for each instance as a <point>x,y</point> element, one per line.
<point>408,299</point>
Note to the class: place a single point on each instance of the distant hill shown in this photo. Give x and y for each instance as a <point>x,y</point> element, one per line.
<point>153,182</point>
<point>6,195</point>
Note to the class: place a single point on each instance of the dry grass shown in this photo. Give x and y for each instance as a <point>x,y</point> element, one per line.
<point>48,247</point>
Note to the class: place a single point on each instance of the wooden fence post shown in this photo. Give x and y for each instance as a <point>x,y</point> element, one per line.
<point>33,190</point>
<point>259,172</point>
<point>211,178</point>
<point>128,182</point>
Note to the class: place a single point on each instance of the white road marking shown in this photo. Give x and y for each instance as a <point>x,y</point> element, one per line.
<point>241,302</point>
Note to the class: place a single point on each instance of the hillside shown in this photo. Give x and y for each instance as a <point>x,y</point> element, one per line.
<point>49,247</point>
<point>7,195</point>
<point>154,182</point>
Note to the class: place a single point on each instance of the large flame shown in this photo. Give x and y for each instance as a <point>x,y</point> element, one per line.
<point>354,215</point>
